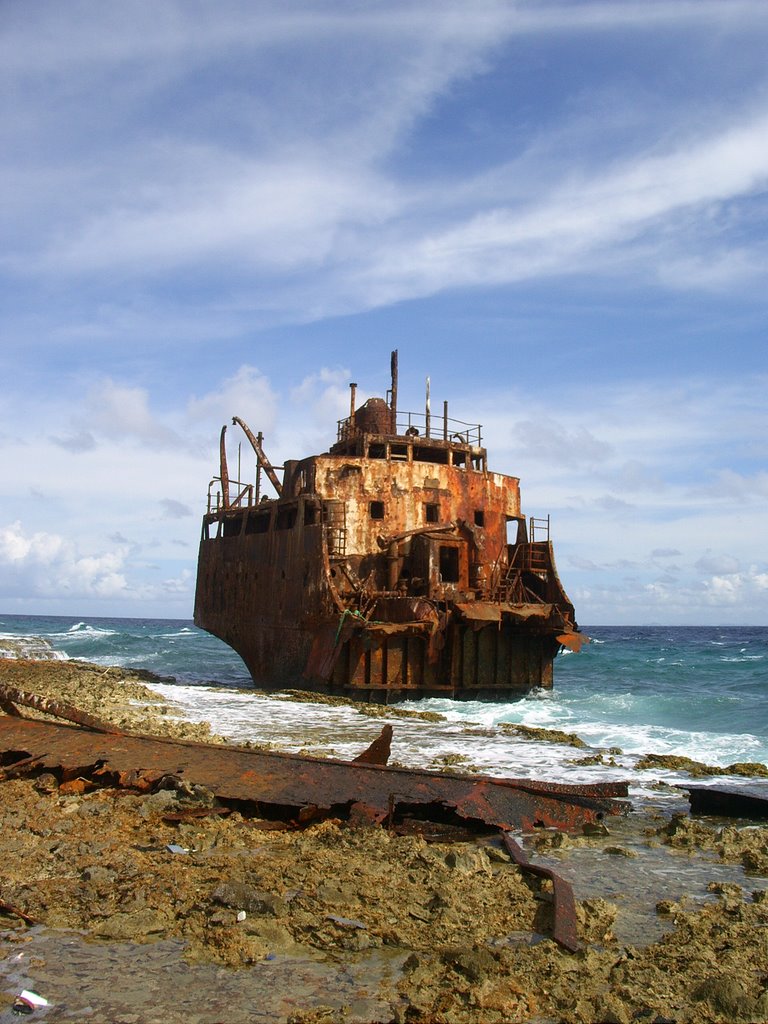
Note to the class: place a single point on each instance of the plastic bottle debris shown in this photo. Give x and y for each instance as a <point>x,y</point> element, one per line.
<point>28,1002</point>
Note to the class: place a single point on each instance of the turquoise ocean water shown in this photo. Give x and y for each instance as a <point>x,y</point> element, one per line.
<point>701,692</point>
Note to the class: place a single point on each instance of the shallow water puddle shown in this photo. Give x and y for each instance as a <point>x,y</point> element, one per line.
<point>126,983</point>
<point>644,875</point>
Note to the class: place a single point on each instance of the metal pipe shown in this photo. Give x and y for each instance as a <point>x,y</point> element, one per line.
<point>260,439</point>
<point>393,400</point>
<point>393,565</point>
<point>224,469</point>
<point>427,412</point>
<point>445,421</point>
<point>263,460</point>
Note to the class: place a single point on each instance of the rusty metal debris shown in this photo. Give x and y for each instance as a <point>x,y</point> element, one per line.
<point>25,766</point>
<point>10,697</point>
<point>396,562</point>
<point>11,911</point>
<point>564,929</point>
<point>299,788</point>
<point>378,752</point>
<point>729,801</point>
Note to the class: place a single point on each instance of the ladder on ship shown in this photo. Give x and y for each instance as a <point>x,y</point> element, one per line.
<point>335,524</point>
<point>532,556</point>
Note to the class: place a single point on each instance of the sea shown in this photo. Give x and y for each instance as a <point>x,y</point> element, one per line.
<point>697,692</point>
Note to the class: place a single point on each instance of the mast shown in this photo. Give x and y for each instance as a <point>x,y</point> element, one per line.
<point>393,400</point>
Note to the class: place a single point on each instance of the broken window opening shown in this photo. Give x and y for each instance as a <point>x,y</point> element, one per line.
<point>257,522</point>
<point>431,513</point>
<point>232,526</point>
<point>449,564</point>
<point>437,455</point>
<point>286,518</point>
<point>376,509</point>
<point>311,514</point>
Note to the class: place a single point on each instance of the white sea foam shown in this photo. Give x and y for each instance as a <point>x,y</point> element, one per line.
<point>36,648</point>
<point>85,630</point>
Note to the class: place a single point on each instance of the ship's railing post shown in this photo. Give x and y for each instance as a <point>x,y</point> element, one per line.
<point>541,524</point>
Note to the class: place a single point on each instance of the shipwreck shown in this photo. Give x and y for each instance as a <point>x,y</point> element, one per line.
<point>394,565</point>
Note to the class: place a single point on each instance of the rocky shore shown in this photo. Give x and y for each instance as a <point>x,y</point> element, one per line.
<point>448,932</point>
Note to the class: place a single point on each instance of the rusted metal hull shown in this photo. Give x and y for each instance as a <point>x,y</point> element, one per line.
<point>285,640</point>
<point>383,569</point>
<point>304,788</point>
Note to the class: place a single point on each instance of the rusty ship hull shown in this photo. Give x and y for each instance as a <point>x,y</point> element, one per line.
<point>394,565</point>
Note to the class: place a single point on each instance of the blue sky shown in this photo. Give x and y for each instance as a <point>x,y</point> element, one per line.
<point>555,210</point>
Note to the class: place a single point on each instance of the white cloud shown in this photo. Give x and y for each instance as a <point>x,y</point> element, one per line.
<point>119,412</point>
<point>724,565</point>
<point>48,565</point>
<point>247,393</point>
<point>582,223</point>
<point>547,438</point>
<point>319,401</point>
<point>309,182</point>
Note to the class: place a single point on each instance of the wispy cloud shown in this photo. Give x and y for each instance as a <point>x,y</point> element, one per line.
<point>215,212</point>
<point>314,187</point>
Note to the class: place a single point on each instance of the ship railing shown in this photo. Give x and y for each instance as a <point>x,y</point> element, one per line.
<point>512,589</point>
<point>420,424</point>
<point>540,526</point>
<point>243,498</point>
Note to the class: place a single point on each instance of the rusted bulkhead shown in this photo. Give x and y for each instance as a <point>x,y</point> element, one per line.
<point>396,564</point>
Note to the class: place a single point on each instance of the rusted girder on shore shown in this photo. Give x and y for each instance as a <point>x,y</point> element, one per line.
<point>729,800</point>
<point>302,788</point>
<point>564,928</point>
<point>10,697</point>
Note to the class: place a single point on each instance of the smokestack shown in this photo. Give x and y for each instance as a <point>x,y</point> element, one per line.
<point>352,394</point>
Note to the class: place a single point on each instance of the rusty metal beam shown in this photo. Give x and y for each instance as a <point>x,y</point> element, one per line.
<point>292,786</point>
<point>224,468</point>
<point>730,801</point>
<point>393,393</point>
<point>59,709</point>
<point>263,460</point>
<point>12,911</point>
<point>564,929</point>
